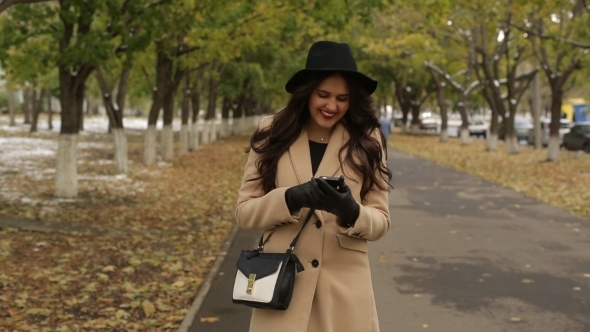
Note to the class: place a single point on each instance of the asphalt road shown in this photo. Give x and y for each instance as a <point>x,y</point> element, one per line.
<point>463,254</point>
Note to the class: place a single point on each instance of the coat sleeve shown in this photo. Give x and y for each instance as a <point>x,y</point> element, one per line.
<point>373,221</point>
<point>254,209</point>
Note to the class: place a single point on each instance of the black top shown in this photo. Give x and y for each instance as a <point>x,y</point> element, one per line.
<point>317,151</point>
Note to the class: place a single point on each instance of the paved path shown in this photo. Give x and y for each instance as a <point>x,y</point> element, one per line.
<point>463,255</point>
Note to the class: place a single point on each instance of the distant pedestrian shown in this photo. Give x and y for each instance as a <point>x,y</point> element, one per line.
<point>328,128</point>
<point>385,124</point>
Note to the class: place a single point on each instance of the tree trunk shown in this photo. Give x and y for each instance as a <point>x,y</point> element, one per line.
<point>27,104</point>
<point>225,125</point>
<point>185,112</point>
<point>168,106</point>
<point>492,141</point>
<point>66,182</point>
<point>404,105</point>
<point>149,146</point>
<point>81,116</point>
<point>205,135</point>
<point>211,116</point>
<point>415,118</point>
<point>444,134</point>
<point>556,101</point>
<point>11,107</point>
<point>238,116</point>
<point>440,98</point>
<point>536,112</point>
<point>511,139</point>
<point>121,154</point>
<point>163,74</point>
<point>196,108</point>
<point>49,111</point>
<point>72,90</point>
<point>37,108</point>
<point>115,114</point>
<point>493,133</point>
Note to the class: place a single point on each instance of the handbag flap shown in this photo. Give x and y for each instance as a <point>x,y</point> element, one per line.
<point>260,264</point>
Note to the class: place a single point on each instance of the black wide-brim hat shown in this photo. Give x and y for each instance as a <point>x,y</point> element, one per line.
<point>328,56</point>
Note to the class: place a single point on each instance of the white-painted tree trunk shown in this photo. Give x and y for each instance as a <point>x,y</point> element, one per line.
<point>183,140</point>
<point>225,128</point>
<point>66,180</point>
<point>121,154</point>
<point>252,125</point>
<point>149,146</point>
<point>11,112</point>
<point>553,148</point>
<point>257,119</point>
<point>415,129</point>
<point>167,147</point>
<point>194,137</point>
<point>243,125</point>
<point>512,145</point>
<point>212,131</point>
<point>465,139</point>
<point>444,136</point>
<point>205,135</point>
<point>492,142</point>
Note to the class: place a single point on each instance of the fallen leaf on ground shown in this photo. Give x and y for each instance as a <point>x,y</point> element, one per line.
<point>209,319</point>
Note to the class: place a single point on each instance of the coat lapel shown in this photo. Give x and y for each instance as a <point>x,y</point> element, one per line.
<point>330,163</point>
<point>300,158</point>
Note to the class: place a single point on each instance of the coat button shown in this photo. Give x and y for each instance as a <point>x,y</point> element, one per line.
<point>318,224</point>
<point>315,263</point>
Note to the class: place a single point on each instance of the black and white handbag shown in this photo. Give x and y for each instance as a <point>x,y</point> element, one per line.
<point>266,280</point>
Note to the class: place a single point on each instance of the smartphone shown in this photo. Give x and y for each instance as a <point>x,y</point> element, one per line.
<point>334,182</point>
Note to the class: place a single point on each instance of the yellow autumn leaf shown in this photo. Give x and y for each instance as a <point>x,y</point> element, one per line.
<point>209,319</point>
<point>148,307</point>
<point>178,283</point>
<point>121,314</point>
<point>108,268</point>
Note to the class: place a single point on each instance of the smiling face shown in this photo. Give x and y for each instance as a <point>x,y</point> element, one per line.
<point>329,102</point>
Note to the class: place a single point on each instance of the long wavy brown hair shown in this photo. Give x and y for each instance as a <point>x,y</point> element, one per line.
<point>360,121</point>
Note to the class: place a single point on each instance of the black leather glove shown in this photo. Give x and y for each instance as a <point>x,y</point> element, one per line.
<point>300,196</point>
<point>336,201</point>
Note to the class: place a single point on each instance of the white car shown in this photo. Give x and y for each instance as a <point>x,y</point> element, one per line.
<point>565,126</point>
<point>478,128</point>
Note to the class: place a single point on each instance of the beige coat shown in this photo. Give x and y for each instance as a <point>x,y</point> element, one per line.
<point>337,295</point>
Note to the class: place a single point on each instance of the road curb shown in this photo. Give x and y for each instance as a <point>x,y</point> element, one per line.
<point>192,312</point>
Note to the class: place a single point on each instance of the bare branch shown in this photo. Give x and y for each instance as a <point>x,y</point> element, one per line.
<point>554,38</point>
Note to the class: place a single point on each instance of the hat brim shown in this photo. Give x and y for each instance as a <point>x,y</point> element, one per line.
<point>300,77</point>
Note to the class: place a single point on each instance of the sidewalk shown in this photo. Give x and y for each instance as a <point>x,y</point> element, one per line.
<point>463,254</point>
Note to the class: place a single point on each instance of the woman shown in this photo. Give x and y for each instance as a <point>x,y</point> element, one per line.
<point>327,129</point>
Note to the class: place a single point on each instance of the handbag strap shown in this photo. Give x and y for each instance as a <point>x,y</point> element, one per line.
<point>292,245</point>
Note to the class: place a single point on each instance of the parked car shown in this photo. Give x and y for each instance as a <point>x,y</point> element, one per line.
<point>478,128</point>
<point>565,126</point>
<point>429,124</point>
<point>578,138</point>
<point>521,129</point>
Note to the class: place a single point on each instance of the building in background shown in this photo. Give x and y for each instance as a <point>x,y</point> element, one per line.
<point>575,110</point>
